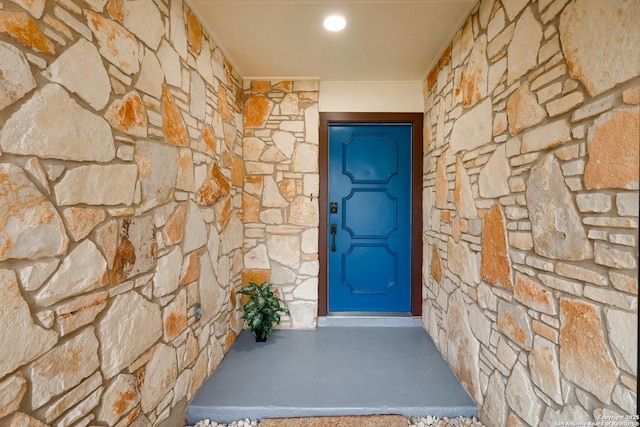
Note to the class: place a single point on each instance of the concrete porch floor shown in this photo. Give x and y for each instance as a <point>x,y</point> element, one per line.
<point>332,371</point>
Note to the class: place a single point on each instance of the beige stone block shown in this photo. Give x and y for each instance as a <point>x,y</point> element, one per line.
<point>623,282</point>
<point>170,62</point>
<point>544,330</point>
<point>595,35</point>
<point>462,262</point>
<point>523,50</point>
<point>584,356</point>
<point>173,125</point>
<point>64,367</point>
<point>112,184</point>
<point>627,204</point>
<point>614,257</point>
<point>305,158</point>
<point>547,93</point>
<point>173,231</point>
<point>107,240</point>
<point>521,240</point>
<point>175,316</point>
<point>128,115</point>
<point>626,399</point>
<point>17,79</point>
<point>505,354</point>
<point>80,311</point>
<point>32,228</point>
<point>500,123</point>
<point>611,297</point>
<point>84,269</point>
<point>533,295</point>
<point>160,376</point>
<point>566,103</point>
<point>167,274</point>
<point>493,179</point>
<point>613,165</point>
<point>513,8</point>
<point>496,25</point>
<point>211,288</point>
<point>521,398</point>
<point>73,397</point>
<point>196,232</point>
<point>52,125</point>
<point>502,40</point>
<point>80,70</point>
<point>484,12</point>
<point>20,419</point>
<point>581,273</point>
<point>622,330</point>
<point>549,76</point>
<point>496,74</point>
<point>631,96</point>
<point>561,284</point>
<point>549,49</point>
<point>303,211</point>
<point>441,185</point>
<point>495,407</point>
<point>131,325</point>
<point>462,346</point>
<point>552,11</point>
<point>306,85</point>
<point>312,124</point>
<point>12,390</point>
<point>232,235</point>
<point>514,323</point>
<point>462,43</point>
<point>81,410</point>
<point>119,398</point>
<point>199,374</point>
<point>473,129</point>
<point>115,43</point>
<point>545,191</point>
<point>545,368</point>
<point>463,195</point>
<point>284,249</point>
<point>474,77</point>
<point>546,136</point>
<point>143,19</point>
<point>81,221</point>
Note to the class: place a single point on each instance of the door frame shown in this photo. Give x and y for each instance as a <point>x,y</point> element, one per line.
<point>416,120</point>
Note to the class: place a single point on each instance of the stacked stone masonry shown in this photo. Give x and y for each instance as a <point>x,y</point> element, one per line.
<point>532,134</point>
<point>121,181</point>
<point>280,198</point>
<point>140,177</point>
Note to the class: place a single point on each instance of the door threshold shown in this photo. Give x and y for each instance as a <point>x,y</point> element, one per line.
<point>370,319</point>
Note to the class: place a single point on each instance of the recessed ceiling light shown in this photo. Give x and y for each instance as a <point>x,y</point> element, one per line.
<point>335,23</point>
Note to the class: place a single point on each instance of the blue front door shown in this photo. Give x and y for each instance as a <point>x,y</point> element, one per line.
<point>369,218</point>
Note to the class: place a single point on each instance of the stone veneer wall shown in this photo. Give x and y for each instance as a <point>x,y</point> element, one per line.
<point>120,210</point>
<point>280,198</point>
<point>531,208</point>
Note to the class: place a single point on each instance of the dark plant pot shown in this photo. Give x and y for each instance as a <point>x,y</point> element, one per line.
<point>260,338</point>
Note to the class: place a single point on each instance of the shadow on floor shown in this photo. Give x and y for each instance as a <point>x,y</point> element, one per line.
<point>332,371</point>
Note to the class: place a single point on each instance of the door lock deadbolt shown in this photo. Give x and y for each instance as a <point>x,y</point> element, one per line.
<point>333,208</point>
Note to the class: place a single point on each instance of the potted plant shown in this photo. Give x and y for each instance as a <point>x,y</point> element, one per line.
<point>262,310</point>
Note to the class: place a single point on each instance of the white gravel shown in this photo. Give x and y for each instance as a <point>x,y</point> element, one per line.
<point>428,421</point>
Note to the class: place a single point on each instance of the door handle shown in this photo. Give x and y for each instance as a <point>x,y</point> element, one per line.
<point>334,230</point>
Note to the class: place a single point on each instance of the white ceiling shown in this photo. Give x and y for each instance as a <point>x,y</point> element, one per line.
<point>385,40</point>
